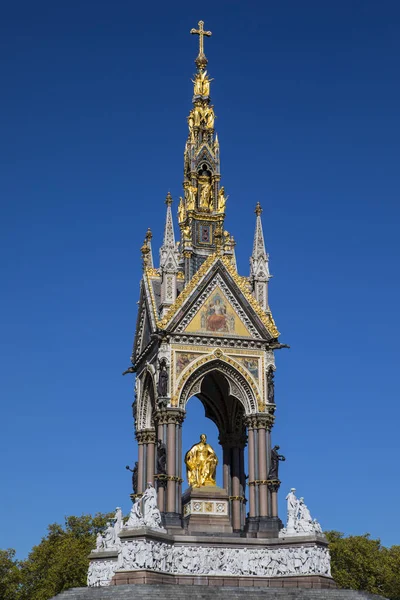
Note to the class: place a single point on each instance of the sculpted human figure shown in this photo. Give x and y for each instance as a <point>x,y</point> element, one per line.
<point>99,542</point>
<point>109,536</point>
<point>134,472</point>
<point>181,210</point>
<point>190,194</point>
<point>205,195</point>
<point>162,386</point>
<point>151,514</point>
<point>222,199</point>
<point>201,463</point>
<point>275,458</point>
<point>271,385</point>
<point>292,510</point>
<point>197,115</point>
<point>161,458</point>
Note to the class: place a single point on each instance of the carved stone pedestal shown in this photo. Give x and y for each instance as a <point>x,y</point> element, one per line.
<point>206,510</point>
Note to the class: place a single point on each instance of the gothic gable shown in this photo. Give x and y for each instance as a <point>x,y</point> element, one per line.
<point>216,314</point>
<point>217,302</point>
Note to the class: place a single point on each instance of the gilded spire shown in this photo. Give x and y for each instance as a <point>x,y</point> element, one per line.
<point>201,60</point>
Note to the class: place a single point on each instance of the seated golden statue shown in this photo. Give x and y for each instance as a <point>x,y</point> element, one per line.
<point>201,464</point>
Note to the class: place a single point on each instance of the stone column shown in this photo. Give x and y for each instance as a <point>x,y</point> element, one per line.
<point>160,483</point>
<point>251,459</point>
<point>273,487</point>
<point>141,460</point>
<point>174,418</point>
<point>236,502</point>
<point>150,464</point>
<point>226,468</point>
<point>262,465</point>
<point>171,461</point>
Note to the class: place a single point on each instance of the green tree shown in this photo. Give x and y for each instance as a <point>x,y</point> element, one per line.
<point>60,561</point>
<point>358,562</point>
<point>10,577</point>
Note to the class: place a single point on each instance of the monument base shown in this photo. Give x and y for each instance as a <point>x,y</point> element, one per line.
<point>154,556</point>
<point>206,510</point>
<point>151,578</point>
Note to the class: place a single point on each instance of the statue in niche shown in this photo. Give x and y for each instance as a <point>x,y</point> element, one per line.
<point>161,458</point>
<point>201,464</point>
<point>205,200</point>
<point>181,210</point>
<point>222,200</point>
<point>162,386</point>
<point>275,458</point>
<point>134,472</point>
<point>271,385</point>
<point>190,194</point>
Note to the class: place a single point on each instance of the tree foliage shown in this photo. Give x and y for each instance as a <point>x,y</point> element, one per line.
<point>360,563</point>
<point>10,575</point>
<point>61,561</point>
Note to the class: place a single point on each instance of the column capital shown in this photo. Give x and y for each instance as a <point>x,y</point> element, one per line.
<point>232,440</point>
<point>146,436</point>
<point>273,485</point>
<point>260,421</point>
<point>164,416</point>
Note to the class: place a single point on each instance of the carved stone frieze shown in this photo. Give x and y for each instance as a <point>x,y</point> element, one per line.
<point>166,557</point>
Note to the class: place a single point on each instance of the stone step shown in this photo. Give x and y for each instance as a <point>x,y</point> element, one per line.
<point>200,592</point>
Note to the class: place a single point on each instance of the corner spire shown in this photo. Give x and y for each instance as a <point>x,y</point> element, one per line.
<point>169,234</point>
<point>259,267</point>
<point>169,259</point>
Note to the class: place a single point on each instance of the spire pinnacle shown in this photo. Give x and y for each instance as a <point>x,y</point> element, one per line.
<point>201,60</point>
<point>169,245</point>
<point>258,210</point>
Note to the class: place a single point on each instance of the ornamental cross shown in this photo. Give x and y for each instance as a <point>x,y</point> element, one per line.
<point>201,33</point>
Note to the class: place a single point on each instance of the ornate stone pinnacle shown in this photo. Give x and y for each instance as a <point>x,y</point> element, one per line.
<point>168,199</point>
<point>258,210</point>
<point>149,235</point>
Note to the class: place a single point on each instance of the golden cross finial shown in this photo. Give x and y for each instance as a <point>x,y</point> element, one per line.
<point>201,60</point>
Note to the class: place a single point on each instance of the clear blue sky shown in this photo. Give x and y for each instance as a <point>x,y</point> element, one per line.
<point>93,124</point>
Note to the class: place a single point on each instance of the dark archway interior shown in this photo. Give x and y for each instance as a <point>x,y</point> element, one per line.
<point>223,409</point>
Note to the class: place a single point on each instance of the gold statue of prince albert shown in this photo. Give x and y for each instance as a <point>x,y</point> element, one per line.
<point>201,464</point>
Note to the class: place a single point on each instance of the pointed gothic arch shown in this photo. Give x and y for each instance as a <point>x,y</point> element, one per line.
<point>240,385</point>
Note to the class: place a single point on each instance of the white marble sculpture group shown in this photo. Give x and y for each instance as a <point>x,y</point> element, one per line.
<point>144,513</point>
<point>299,520</point>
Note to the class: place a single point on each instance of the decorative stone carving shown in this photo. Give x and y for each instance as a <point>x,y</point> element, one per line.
<point>299,520</point>
<point>144,512</point>
<point>208,560</point>
<point>101,572</point>
<point>110,539</point>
